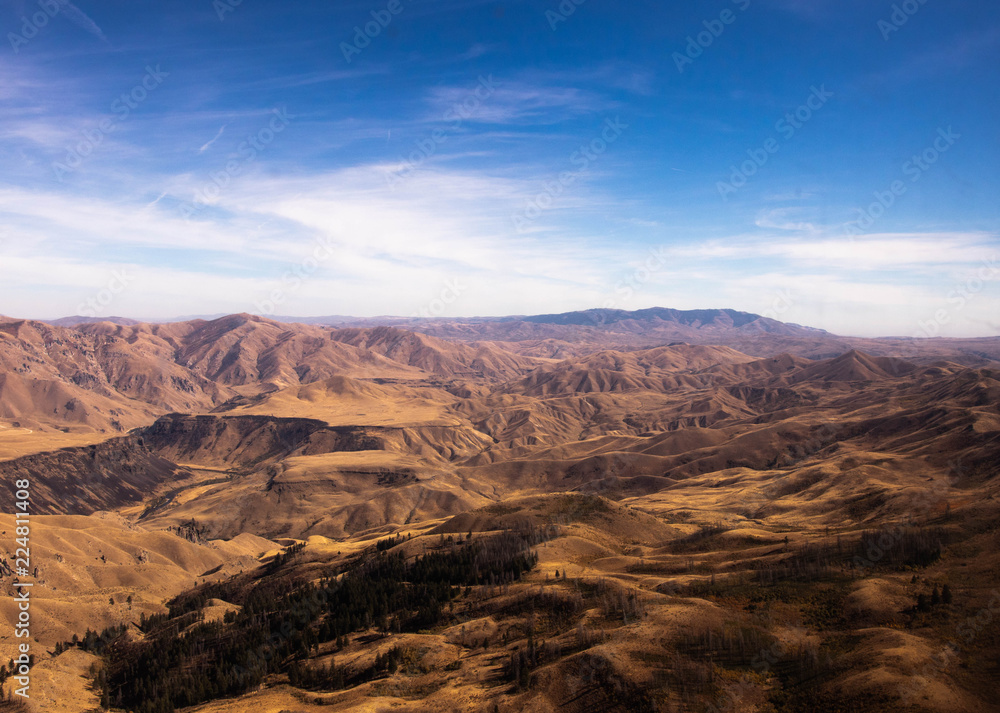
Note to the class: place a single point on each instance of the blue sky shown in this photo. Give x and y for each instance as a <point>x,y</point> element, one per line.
<point>821,162</point>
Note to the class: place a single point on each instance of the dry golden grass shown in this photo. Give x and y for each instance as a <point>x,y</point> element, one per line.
<point>86,562</point>
<point>342,401</point>
<point>685,480</point>
<point>16,441</point>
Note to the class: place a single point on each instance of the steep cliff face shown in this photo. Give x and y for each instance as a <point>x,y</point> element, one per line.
<point>247,441</point>
<point>127,470</point>
<point>80,481</point>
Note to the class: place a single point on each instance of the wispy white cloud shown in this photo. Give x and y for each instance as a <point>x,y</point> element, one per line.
<point>207,145</point>
<point>885,251</point>
<point>79,18</point>
<point>516,102</point>
<point>48,135</point>
<point>474,52</point>
<point>784,219</point>
<point>391,248</point>
<point>306,79</point>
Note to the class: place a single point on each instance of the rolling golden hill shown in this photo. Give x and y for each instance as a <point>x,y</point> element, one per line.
<point>563,520</point>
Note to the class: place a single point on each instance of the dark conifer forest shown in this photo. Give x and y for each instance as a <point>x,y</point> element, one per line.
<point>183,660</point>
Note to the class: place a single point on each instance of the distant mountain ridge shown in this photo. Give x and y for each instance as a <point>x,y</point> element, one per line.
<point>588,316</point>
<point>599,317</point>
<point>691,318</point>
<point>77,319</point>
<point>574,334</point>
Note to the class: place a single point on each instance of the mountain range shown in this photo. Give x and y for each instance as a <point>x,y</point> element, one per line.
<point>707,484</point>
